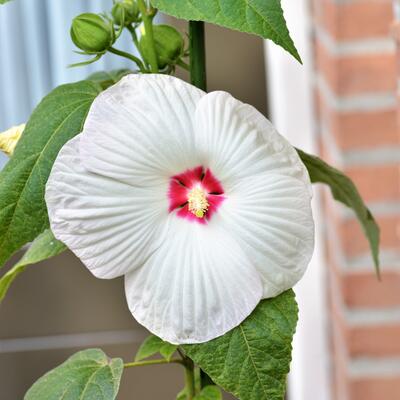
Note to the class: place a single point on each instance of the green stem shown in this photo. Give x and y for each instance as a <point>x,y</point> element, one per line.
<point>131,57</point>
<point>153,362</point>
<point>183,65</point>
<point>147,18</point>
<point>189,379</point>
<point>132,30</point>
<point>197,380</point>
<point>135,40</point>
<point>197,54</point>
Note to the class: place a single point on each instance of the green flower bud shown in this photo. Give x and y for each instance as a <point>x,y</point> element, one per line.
<point>92,33</point>
<point>127,9</point>
<point>168,42</point>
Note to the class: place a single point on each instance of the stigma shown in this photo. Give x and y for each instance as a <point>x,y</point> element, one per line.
<point>197,202</point>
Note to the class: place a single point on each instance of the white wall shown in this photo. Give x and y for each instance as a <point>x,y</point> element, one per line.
<point>291,105</point>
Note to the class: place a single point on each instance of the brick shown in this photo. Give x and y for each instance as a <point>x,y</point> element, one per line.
<point>374,341</point>
<point>363,290</point>
<point>344,26</point>
<point>359,130</point>
<point>358,340</point>
<point>354,242</point>
<point>380,388</point>
<point>350,236</point>
<point>357,74</point>
<point>376,183</point>
<point>354,20</point>
<point>368,340</point>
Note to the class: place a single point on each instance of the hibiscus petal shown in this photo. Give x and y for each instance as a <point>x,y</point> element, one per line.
<point>111,226</point>
<point>270,217</point>
<point>195,287</point>
<point>238,142</point>
<point>141,129</point>
<point>283,150</point>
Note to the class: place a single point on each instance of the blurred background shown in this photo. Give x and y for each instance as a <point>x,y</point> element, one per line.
<point>342,104</point>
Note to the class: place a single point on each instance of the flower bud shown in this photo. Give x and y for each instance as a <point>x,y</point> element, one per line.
<point>127,9</point>
<point>9,139</point>
<point>168,42</point>
<point>92,33</point>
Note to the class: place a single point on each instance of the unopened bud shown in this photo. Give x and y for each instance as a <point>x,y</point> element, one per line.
<point>125,12</point>
<point>168,42</point>
<point>92,33</point>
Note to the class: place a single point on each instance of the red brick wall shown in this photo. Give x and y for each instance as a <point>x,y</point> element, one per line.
<point>356,79</point>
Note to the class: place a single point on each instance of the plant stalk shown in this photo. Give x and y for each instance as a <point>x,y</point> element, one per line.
<point>148,31</point>
<point>135,40</point>
<point>131,57</point>
<point>183,65</point>
<point>197,47</point>
<point>154,362</point>
<point>189,379</point>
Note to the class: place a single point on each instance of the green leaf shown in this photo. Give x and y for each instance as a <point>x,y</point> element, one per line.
<point>261,17</point>
<point>58,118</point>
<point>252,360</point>
<point>4,1</point>
<point>153,345</point>
<point>344,190</point>
<point>209,393</point>
<point>87,375</point>
<point>182,395</point>
<point>45,246</point>
<point>167,350</point>
<point>108,78</point>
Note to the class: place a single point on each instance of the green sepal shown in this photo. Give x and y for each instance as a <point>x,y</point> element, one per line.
<point>83,63</point>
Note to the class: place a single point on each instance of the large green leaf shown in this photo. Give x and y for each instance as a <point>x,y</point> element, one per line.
<point>58,118</point>
<point>252,360</point>
<point>87,375</point>
<point>344,190</point>
<point>45,246</point>
<point>261,17</point>
<point>4,1</point>
<point>153,345</point>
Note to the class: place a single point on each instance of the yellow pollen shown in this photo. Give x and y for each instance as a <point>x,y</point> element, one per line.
<point>198,204</point>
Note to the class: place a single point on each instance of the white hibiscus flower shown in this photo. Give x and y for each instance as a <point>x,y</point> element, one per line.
<point>194,197</point>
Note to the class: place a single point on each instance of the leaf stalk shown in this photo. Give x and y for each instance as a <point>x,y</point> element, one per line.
<point>153,362</point>
<point>147,17</point>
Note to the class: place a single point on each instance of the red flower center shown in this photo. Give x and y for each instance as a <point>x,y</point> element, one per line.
<point>196,194</point>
